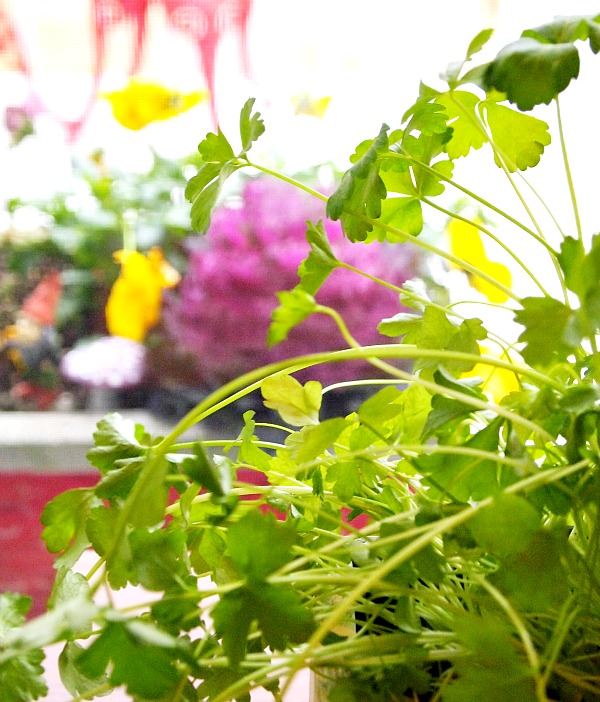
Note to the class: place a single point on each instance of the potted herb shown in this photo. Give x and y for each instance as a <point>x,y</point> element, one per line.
<point>440,542</point>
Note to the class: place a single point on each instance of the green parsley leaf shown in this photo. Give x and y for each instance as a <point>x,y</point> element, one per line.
<point>297,404</point>
<point>249,452</point>
<point>494,664</point>
<point>467,132</point>
<point>520,139</point>
<point>143,659</point>
<point>158,558</point>
<point>259,545</point>
<point>551,330</point>
<point>116,438</point>
<point>64,519</point>
<point>251,126</point>
<point>71,677</point>
<point>466,477</point>
<point>203,471</point>
<point>507,526</point>
<point>361,191</point>
<point>535,578</point>
<point>321,260</point>
<point>220,162</point>
<point>102,529</point>
<point>294,307</point>
<point>21,676</point>
<point>317,439</point>
<point>532,72</point>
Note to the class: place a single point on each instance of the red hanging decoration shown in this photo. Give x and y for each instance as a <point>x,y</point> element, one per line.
<point>204,21</point>
<point>11,54</point>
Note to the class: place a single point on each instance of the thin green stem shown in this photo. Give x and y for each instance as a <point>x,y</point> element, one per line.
<point>288,179</point>
<point>477,198</point>
<point>563,147</point>
<point>492,236</point>
<point>418,242</point>
<point>522,631</point>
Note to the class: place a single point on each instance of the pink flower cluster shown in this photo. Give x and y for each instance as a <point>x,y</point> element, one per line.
<point>222,309</point>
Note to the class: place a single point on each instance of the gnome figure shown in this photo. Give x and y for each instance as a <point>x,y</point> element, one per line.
<point>30,350</point>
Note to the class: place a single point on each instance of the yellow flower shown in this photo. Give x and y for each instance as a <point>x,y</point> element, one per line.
<point>142,102</point>
<point>466,244</point>
<point>497,382</point>
<point>305,104</point>
<point>133,306</point>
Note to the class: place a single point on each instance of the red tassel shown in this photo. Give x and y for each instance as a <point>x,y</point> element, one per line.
<point>206,21</point>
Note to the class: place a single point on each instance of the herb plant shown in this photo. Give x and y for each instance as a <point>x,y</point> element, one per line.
<point>441,542</point>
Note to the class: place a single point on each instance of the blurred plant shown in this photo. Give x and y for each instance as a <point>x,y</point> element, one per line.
<point>222,310</point>
<point>77,232</point>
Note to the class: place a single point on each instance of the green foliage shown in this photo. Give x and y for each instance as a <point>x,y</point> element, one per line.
<point>494,664</point>
<point>21,674</point>
<point>218,163</point>
<point>297,404</point>
<point>438,538</point>
<point>541,64</point>
<point>361,191</point>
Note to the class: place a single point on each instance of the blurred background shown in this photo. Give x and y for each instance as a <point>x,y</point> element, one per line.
<point>102,105</point>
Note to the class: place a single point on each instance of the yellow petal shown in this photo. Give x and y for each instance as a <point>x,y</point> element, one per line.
<point>142,102</point>
<point>466,244</point>
<point>134,303</point>
<point>497,382</point>
<point>304,104</point>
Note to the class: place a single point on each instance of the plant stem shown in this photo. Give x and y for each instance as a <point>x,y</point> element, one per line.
<point>288,179</point>
<point>523,632</point>
<point>563,147</point>
<point>492,236</point>
<point>482,201</point>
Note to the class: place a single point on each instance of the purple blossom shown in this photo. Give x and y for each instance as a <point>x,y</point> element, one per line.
<point>222,309</point>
